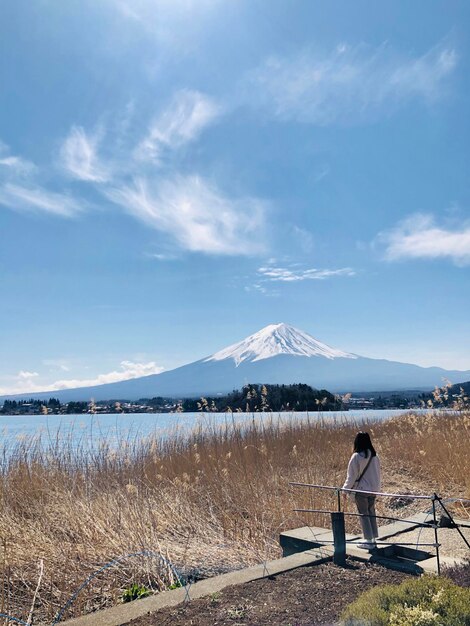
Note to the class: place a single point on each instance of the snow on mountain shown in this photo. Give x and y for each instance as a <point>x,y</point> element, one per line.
<point>277,339</point>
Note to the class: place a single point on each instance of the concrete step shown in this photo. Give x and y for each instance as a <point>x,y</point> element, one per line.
<point>430,565</point>
<point>385,558</point>
<point>306,538</point>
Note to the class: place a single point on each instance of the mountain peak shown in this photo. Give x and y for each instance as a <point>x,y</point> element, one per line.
<point>276,339</point>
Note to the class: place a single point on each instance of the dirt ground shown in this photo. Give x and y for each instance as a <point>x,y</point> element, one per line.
<point>308,596</point>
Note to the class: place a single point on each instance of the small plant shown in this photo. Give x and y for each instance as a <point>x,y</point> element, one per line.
<point>176,585</point>
<point>135,592</point>
<point>427,601</point>
<point>215,597</point>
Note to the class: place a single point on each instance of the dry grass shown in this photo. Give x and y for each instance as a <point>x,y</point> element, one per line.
<point>211,501</point>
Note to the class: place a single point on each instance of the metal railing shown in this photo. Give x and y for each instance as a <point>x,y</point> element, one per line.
<point>338,527</point>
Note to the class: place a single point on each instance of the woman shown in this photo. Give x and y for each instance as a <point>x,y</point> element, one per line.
<point>364,475</point>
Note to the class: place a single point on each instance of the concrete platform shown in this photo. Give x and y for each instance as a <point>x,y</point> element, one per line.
<point>393,556</point>
<point>308,537</point>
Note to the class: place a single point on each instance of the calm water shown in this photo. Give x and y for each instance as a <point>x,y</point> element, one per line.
<point>91,430</point>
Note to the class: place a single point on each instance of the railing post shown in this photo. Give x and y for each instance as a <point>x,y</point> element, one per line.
<point>436,541</point>
<point>339,538</point>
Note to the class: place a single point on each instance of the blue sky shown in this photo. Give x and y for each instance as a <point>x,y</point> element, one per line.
<point>177,174</point>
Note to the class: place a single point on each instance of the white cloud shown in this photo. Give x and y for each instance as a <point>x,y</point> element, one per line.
<point>161,256</point>
<point>171,29</point>
<point>423,76</point>
<point>129,370</point>
<point>37,199</point>
<point>17,165</point>
<point>80,158</point>
<point>123,121</point>
<point>182,122</point>
<point>272,273</point>
<point>13,165</point>
<point>320,173</point>
<point>259,288</point>
<point>18,191</point>
<point>282,274</point>
<point>60,364</point>
<point>352,84</point>
<point>196,214</point>
<point>418,237</point>
<point>25,375</point>
<point>165,19</point>
<point>304,238</point>
<point>141,10</point>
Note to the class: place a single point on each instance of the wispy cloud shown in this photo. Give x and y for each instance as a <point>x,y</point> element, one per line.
<point>13,165</point>
<point>165,20</point>
<point>320,173</point>
<point>272,273</point>
<point>183,121</point>
<point>141,10</point>
<point>304,238</point>
<point>352,84</point>
<point>36,199</point>
<point>17,165</point>
<point>79,156</point>
<point>58,364</point>
<point>286,275</point>
<point>196,214</point>
<point>262,289</point>
<point>419,237</point>
<point>161,256</point>
<point>23,382</point>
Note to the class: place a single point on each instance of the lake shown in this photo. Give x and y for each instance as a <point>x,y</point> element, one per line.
<point>91,430</point>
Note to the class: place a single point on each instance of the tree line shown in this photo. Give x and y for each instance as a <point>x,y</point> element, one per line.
<point>251,398</point>
<point>53,405</point>
<point>254,398</point>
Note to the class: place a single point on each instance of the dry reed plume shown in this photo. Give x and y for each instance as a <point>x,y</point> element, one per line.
<point>213,500</point>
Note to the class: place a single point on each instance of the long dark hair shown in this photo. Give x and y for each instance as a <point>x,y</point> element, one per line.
<point>362,443</point>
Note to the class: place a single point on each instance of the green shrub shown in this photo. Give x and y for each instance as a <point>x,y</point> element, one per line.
<point>426,601</point>
<point>134,592</point>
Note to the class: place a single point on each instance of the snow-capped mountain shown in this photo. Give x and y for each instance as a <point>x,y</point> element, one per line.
<point>277,354</point>
<point>277,339</point>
